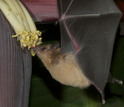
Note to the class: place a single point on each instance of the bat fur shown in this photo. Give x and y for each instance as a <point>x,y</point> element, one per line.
<point>62,67</point>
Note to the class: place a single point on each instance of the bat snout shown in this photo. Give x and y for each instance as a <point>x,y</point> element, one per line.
<point>55,46</point>
<point>47,48</point>
<point>37,48</point>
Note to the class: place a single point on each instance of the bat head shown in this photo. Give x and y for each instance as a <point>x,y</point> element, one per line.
<point>47,52</point>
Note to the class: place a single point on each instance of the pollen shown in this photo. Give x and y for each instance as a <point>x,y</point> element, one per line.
<point>29,39</point>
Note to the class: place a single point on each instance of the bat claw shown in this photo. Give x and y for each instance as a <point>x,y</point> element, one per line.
<point>102,95</point>
<point>103,101</point>
<point>120,82</point>
<point>114,80</point>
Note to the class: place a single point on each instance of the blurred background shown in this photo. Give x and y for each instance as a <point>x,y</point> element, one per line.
<point>46,92</point>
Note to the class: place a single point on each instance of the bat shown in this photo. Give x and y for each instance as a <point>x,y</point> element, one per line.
<point>88,29</point>
<point>62,67</point>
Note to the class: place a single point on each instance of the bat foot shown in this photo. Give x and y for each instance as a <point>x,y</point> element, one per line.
<point>114,80</point>
<point>103,101</point>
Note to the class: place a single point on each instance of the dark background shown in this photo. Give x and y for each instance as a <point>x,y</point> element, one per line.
<point>46,92</point>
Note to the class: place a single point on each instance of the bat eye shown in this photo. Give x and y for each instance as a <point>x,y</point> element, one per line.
<point>44,48</point>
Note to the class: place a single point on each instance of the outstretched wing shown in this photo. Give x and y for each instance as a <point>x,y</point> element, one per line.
<point>88,29</point>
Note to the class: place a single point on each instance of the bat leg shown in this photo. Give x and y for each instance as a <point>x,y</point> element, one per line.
<point>103,97</point>
<point>110,80</point>
<point>114,80</point>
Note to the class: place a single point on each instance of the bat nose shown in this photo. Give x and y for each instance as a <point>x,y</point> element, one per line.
<point>55,45</point>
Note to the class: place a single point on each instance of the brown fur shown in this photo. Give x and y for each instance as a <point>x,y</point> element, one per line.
<point>63,68</point>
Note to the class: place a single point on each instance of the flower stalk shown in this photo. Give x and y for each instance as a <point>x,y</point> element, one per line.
<point>22,23</point>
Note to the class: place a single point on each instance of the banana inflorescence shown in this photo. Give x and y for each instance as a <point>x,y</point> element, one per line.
<point>22,23</point>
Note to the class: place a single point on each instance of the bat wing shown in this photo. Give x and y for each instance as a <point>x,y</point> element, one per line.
<point>88,29</point>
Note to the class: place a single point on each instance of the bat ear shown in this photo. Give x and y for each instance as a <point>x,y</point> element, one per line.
<point>55,46</point>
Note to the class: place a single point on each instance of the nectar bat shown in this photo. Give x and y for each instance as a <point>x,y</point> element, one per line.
<point>88,29</point>
<point>64,67</point>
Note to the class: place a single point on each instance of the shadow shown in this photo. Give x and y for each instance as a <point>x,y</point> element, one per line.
<point>40,71</point>
<point>50,33</point>
<point>93,93</point>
